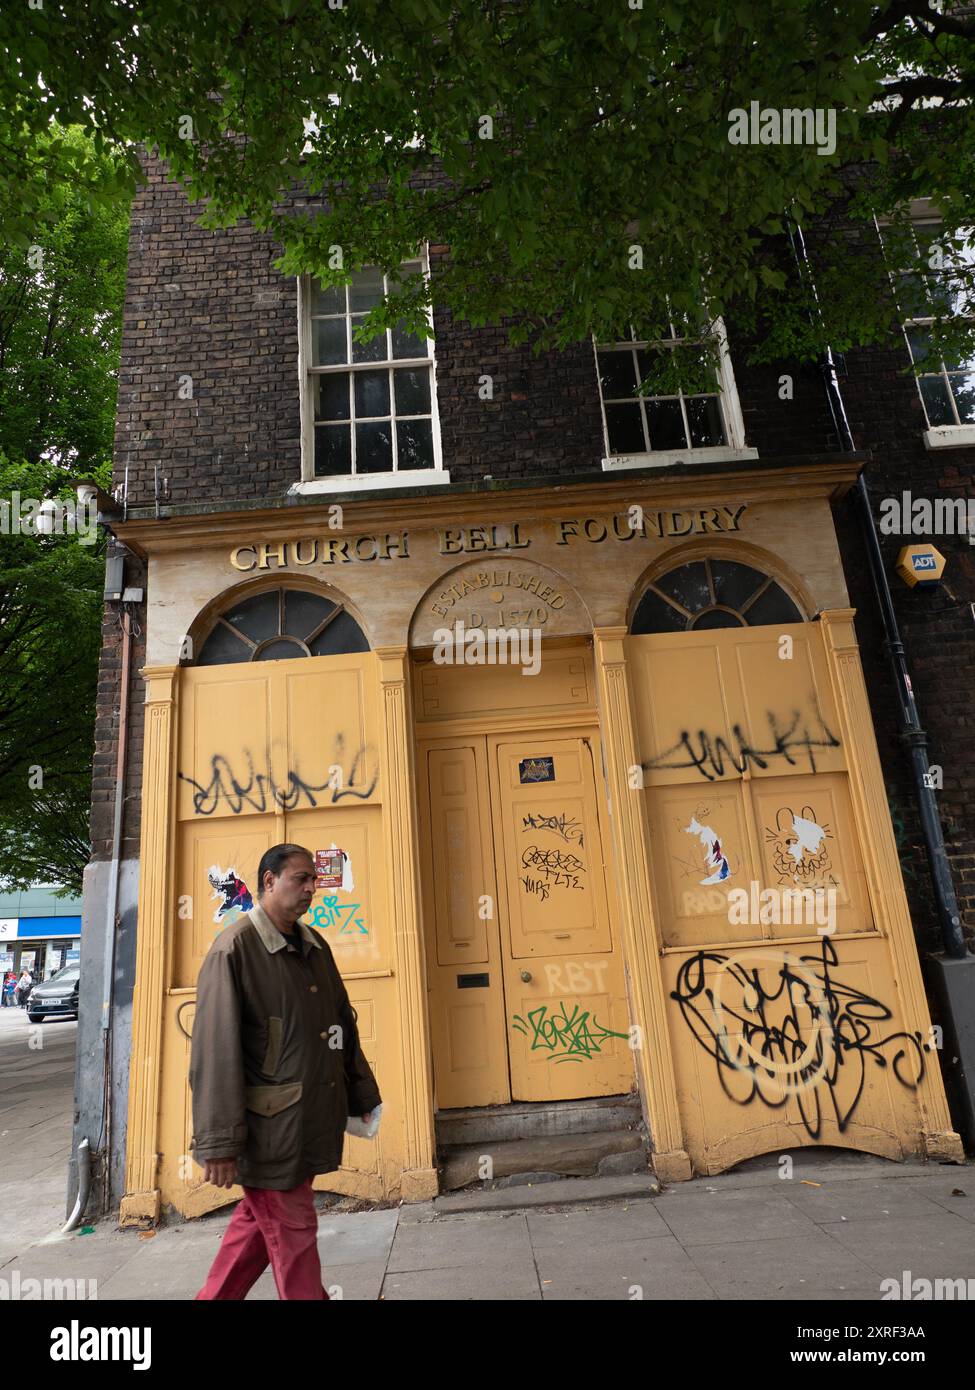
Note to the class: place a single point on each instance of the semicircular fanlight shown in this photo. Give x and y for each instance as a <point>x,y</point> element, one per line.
<point>279,624</point>
<point>710,593</point>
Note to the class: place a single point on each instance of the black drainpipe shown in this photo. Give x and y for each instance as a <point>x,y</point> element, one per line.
<point>912,735</point>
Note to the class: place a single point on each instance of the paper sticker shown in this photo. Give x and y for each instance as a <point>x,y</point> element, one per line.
<point>329,867</point>
<point>232,893</point>
<point>536,770</point>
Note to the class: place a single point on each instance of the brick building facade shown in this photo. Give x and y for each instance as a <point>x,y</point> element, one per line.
<point>208,305</point>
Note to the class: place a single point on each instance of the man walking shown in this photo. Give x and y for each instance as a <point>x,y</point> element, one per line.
<point>275,1070</point>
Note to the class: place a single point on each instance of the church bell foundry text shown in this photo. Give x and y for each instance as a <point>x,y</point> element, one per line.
<point>471,540</point>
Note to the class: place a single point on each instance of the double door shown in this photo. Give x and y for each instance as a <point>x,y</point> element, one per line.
<point>526,987</point>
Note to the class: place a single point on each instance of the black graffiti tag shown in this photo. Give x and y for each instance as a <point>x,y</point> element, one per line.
<point>557,868</point>
<point>566,826</point>
<point>703,750</point>
<point>535,885</point>
<point>808,1035</point>
<point>258,790</point>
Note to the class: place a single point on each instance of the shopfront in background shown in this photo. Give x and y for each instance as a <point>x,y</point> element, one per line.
<point>546,861</point>
<point>38,931</point>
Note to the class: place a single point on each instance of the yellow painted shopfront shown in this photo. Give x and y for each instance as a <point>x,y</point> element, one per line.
<point>594,787</point>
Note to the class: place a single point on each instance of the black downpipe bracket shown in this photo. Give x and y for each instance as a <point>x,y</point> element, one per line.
<point>912,735</point>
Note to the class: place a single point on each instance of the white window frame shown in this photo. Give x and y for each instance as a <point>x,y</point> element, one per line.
<point>728,404</point>
<point>360,482</point>
<point>935,436</point>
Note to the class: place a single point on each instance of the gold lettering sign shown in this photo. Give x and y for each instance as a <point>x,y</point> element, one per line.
<point>500,597</point>
<point>650,525</point>
<point>321,550</point>
<point>464,540</point>
<point>490,539</point>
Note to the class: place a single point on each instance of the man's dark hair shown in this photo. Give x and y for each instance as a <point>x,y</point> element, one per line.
<point>275,859</point>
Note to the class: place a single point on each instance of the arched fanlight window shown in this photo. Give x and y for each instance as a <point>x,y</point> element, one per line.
<point>278,624</point>
<point>713,593</point>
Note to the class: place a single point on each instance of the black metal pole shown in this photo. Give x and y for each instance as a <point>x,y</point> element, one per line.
<point>912,735</point>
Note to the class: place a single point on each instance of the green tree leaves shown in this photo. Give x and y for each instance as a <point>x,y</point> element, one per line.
<point>603,114</point>
<point>60,319</point>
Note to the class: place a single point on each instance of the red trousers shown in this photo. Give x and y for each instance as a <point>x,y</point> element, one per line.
<point>280,1227</point>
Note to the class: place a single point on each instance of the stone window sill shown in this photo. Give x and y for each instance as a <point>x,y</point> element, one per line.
<point>663,458</point>
<point>365,482</point>
<point>950,437</point>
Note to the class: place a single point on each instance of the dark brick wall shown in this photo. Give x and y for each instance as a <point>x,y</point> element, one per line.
<point>937,626</point>
<point>211,305</point>
<point>206,304</point>
<point>544,417</point>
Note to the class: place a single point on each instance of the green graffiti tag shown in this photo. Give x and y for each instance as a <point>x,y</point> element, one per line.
<point>570,1032</point>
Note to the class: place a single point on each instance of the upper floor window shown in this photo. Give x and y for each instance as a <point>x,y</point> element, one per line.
<point>688,408</point>
<point>369,412</point>
<point>934,277</point>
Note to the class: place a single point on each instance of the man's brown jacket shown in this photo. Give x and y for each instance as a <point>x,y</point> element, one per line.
<point>275,1064</point>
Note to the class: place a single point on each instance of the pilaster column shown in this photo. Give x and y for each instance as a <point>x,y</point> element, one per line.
<point>399,798</point>
<point>157,842</point>
<point>641,938</point>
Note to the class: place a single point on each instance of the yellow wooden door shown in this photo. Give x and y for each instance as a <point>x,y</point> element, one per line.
<point>787,1018</point>
<point>567,1017</point>
<point>527,997</point>
<point>464,976</point>
<point>271,752</point>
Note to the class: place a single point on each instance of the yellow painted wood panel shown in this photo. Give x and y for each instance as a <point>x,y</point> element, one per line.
<point>568,1021</point>
<point>786,1046</point>
<point>564,680</point>
<point>463,948</point>
<point>563,1032</point>
<point>268,752</point>
<point>715,708</point>
<point>786,1020</point>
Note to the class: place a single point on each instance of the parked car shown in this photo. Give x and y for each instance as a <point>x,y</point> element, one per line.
<point>56,997</point>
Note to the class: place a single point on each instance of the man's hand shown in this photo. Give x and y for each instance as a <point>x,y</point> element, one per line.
<point>221,1172</point>
<point>367,1118</point>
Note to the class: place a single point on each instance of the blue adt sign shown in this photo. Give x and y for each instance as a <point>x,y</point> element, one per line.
<point>924,562</point>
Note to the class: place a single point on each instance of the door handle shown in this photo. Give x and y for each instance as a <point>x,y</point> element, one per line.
<point>526,975</point>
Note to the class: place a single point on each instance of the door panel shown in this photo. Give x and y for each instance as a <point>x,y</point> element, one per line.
<point>568,1023</point>
<point>213,858</point>
<point>700,846</point>
<point>786,1017</point>
<point>793,1045</point>
<point>463,869</point>
<point>350,916</point>
<point>547,833</point>
<point>463,948</point>
<point>563,1033</point>
<point>809,841</point>
<point>270,752</point>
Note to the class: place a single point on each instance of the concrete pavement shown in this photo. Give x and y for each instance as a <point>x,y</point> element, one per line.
<point>37,1063</point>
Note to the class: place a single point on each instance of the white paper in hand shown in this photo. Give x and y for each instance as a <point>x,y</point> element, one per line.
<point>357,1127</point>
